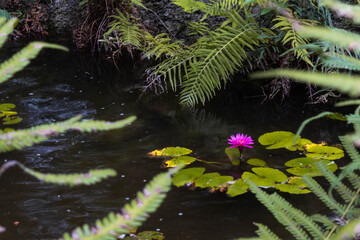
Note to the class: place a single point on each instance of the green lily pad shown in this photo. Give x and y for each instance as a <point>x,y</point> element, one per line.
<point>146,235</point>
<point>11,120</point>
<point>239,187</point>
<point>311,169</point>
<point>182,159</point>
<point>300,162</point>
<point>6,106</point>
<point>270,173</point>
<point>175,151</point>
<point>256,162</point>
<point>260,181</point>
<point>206,180</point>
<point>220,180</point>
<point>278,139</point>
<point>234,155</point>
<point>301,144</point>
<point>186,176</point>
<point>296,181</point>
<point>324,152</point>
<point>293,189</point>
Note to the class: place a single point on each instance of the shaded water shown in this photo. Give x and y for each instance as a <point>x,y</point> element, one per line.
<point>58,86</point>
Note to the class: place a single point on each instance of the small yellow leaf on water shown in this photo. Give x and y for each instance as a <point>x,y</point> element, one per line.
<point>306,146</point>
<point>156,153</point>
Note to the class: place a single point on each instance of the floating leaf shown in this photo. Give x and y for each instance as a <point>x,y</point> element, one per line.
<point>234,155</point>
<point>296,181</point>
<point>260,181</point>
<point>256,162</point>
<point>311,169</point>
<point>270,173</point>
<point>206,180</point>
<point>337,116</point>
<point>11,120</point>
<point>182,159</point>
<point>217,182</point>
<point>150,235</point>
<point>303,142</point>
<point>278,139</point>
<point>239,187</point>
<point>175,151</point>
<point>324,152</point>
<point>293,189</point>
<point>186,176</point>
<point>155,153</point>
<point>6,106</point>
<point>300,162</point>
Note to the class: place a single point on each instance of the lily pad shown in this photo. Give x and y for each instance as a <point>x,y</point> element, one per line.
<point>220,180</point>
<point>324,152</point>
<point>206,180</point>
<point>256,162</point>
<point>186,176</point>
<point>234,155</point>
<point>260,181</point>
<point>300,162</point>
<point>176,151</point>
<point>11,120</point>
<point>239,187</point>
<point>278,139</point>
<point>293,189</point>
<point>6,106</point>
<point>311,169</point>
<point>270,173</point>
<point>182,159</point>
<point>296,181</point>
<point>146,235</point>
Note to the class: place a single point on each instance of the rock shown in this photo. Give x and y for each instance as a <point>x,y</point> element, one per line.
<point>62,15</point>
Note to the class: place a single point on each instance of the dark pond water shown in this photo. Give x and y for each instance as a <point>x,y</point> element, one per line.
<point>59,85</point>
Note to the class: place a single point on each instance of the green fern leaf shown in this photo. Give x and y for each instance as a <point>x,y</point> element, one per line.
<point>5,14</point>
<point>6,27</point>
<point>349,84</point>
<point>265,233</point>
<point>132,215</point>
<point>22,58</point>
<point>25,138</point>
<point>89,178</point>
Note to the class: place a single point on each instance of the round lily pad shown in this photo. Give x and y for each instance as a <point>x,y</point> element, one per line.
<point>278,139</point>
<point>220,180</point>
<point>182,159</point>
<point>6,106</point>
<point>300,162</point>
<point>296,181</point>
<point>256,162</point>
<point>311,169</point>
<point>260,181</point>
<point>293,189</point>
<point>233,155</point>
<point>324,152</point>
<point>188,175</point>
<point>175,151</point>
<point>206,180</point>
<point>270,173</point>
<point>239,187</point>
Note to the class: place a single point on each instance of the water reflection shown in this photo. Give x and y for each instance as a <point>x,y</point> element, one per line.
<point>58,86</point>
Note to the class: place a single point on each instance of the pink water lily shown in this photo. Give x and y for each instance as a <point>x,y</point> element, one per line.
<point>240,141</point>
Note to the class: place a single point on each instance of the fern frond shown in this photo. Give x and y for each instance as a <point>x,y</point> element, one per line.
<point>345,83</point>
<point>5,14</point>
<point>265,233</point>
<point>343,10</point>
<point>336,36</point>
<point>161,45</point>
<point>132,215</point>
<point>6,27</point>
<point>25,138</point>
<point>22,58</point>
<point>138,3</point>
<point>343,190</point>
<point>348,231</point>
<point>322,195</point>
<point>190,6</point>
<point>126,31</point>
<point>218,55</point>
<point>341,62</point>
<point>74,179</point>
<point>271,202</point>
<point>294,38</point>
<point>348,103</point>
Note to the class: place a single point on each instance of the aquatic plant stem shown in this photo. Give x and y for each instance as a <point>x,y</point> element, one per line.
<point>343,215</point>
